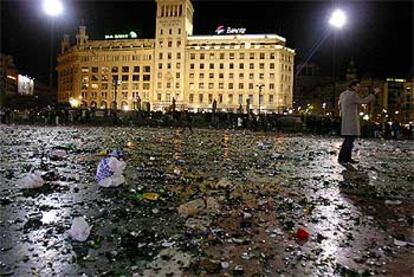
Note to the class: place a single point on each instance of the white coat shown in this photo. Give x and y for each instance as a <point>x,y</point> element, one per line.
<point>349,102</point>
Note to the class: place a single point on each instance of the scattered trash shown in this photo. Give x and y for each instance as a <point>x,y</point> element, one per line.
<point>302,234</point>
<point>80,229</point>
<point>152,196</point>
<point>31,181</point>
<point>110,172</point>
<point>198,206</point>
<point>393,202</point>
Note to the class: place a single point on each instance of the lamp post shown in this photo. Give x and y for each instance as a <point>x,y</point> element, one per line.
<point>52,8</point>
<point>260,86</point>
<point>337,21</point>
<point>116,82</point>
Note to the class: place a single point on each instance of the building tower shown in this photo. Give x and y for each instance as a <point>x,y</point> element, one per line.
<point>174,22</point>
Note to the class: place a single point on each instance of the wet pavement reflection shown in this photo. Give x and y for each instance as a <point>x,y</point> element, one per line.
<point>225,203</point>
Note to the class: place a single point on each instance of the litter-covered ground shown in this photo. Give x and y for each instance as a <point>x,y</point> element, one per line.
<point>215,203</point>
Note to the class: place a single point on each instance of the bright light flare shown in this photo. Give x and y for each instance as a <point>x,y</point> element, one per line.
<point>338,19</point>
<point>52,7</point>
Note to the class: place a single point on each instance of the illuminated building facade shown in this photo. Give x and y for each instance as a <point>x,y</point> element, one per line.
<point>231,67</point>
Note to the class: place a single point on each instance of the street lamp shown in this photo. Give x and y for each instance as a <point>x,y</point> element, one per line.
<point>337,21</point>
<point>260,86</point>
<point>52,8</point>
<point>116,82</point>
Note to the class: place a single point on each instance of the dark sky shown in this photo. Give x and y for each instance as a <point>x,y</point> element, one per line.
<point>378,34</point>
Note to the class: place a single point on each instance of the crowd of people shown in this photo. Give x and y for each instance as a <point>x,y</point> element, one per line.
<point>187,120</point>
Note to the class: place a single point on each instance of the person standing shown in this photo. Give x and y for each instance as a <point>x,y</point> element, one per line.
<point>349,102</point>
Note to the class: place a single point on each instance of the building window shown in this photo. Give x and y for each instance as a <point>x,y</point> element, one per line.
<point>240,99</point>
<point>178,65</point>
<point>159,96</point>
<point>94,69</point>
<point>125,69</point>
<point>272,55</point>
<point>251,56</point>
<point>241,75</point>
<point>211,66</point>
<point>179,29</point>
<point>251,66</point>
<point>231,56</point>
<point>241,56</point>
<point>231,75</point>
<point>262,56</point>
<point>136,68</point>
<point>251,76</point>
<point>230,85</point>
<point>272,66</point>
<point>221,85</point>
<point>270,99</point>
<point>146,86</point>
<point>114,69</point>
<point>221,66</point>
<point>86,70</point>
<point>168,85</point>
<point>178,55</point>
<point>211,75</point>
<point>159,75</point>
<point>178,43</point>
<point>221,56</point>
<point>192,56</point>
<point>191,85</point>
<point>125,94</point>
<point>124,86</point>
<point>261,66</point>
<point>125,77</point>
<point>210,98</point>
<point>192,66</point>
<point>169,43</point>
<point>201,76</point>
<point>202,56</point>
<point>221,75</point>
<point>220,98</point>
<point>160,66</point>
<point>241,86</point>
<point>231,65</point>
<point>177,85</point>
<point>191,75</point>
<point>230,99</point>
<point>210,85</point>
<point>200,98</point>
<point>191,98</point>
<point>201,85</point>
<point>201,66</point>
<point>147,68</point>
<point>169,56</point>
<point>177,75</point>
<point>159,85</point>
<point>160,56</point>
<point>146,78</point>
<point>104,86</point>
<point>251,86</point>
<point>241,65</point>
<point>170,31</point>
<point>261,76</point>
<point>272,86</point>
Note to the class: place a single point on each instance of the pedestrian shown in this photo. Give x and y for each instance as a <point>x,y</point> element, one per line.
<point>185,121</point>
<point>349,102</point>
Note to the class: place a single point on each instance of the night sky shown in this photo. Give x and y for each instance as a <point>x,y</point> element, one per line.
<point>378,34</point>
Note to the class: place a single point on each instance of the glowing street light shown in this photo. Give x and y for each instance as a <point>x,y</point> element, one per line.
<point>337,19</point>
<point>52,7</point>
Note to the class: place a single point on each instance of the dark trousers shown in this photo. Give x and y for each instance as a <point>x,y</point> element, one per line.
<point>346,150</point>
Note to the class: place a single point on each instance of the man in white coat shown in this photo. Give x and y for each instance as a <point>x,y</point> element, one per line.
<point>349,102</point>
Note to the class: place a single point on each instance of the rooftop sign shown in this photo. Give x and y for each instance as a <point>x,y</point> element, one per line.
<point>221,30</point>
<point>131,34</point>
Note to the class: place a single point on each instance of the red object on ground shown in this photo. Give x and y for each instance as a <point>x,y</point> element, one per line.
<point>302,234</point>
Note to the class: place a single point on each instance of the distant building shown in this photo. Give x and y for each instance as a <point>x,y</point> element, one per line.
<point>230,67</point>
<point>398,99</point>
<point>18,90</point>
